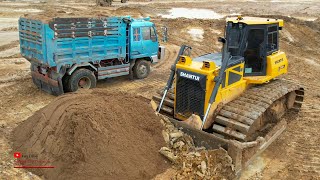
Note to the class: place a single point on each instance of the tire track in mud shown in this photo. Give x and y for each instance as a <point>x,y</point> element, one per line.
<point>296,154</point>
<point>305,150</point>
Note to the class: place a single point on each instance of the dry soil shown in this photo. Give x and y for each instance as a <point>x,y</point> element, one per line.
<point>295,155</point>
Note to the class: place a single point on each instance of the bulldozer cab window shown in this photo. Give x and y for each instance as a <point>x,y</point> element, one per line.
<point>234,35</point>
<point>254,53</point>
<point>273,39</point>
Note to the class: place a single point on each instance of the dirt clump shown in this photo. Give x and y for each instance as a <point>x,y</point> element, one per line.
<point>191,162</point>
<point>93,135</point>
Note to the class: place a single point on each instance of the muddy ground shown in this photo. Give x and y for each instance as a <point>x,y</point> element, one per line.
<point>295,155</point>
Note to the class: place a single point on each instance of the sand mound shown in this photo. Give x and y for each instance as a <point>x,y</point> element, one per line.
<point>93,135</point>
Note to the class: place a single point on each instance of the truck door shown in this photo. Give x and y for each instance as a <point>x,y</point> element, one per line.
<point>136,45</point>
<point>149,40</point>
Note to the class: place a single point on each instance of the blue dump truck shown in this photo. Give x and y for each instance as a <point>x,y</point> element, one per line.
<point>67,54</point>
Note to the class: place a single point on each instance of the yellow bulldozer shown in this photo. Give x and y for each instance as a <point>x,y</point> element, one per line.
<point>234,99</point>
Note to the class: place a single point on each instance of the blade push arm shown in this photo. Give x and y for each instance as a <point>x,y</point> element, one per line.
<point>218,80</point>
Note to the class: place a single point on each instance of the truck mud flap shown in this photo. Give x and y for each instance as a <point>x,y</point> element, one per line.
<point>47,84</point>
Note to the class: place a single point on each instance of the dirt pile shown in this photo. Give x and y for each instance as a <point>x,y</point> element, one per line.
<point>93,135</point>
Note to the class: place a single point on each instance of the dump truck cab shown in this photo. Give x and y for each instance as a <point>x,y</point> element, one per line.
<point>144,40</point>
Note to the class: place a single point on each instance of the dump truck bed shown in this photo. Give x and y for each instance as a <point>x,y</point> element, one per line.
<point>67,41</point>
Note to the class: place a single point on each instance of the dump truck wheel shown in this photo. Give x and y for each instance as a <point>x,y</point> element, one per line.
<point>123,1</point>
<point>141,69</point>
<point>105,3</point>
<point>82,79</point>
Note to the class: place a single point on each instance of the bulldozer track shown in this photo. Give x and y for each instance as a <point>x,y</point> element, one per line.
<point>236,119</point>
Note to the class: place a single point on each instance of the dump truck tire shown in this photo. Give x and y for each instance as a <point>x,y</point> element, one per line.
<point>123,1</point>
<point>104,3</point>
<point>141,69</point>
<point>82,79</point>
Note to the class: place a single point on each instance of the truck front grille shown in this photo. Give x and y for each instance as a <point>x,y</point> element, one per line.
<point>190,97</point>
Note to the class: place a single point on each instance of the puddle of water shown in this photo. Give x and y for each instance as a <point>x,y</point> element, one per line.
<point>192,13</point>
<point>196,33</point>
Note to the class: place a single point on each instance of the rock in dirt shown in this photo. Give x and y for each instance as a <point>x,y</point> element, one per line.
<point>192,162</point>
<point>94,135</point>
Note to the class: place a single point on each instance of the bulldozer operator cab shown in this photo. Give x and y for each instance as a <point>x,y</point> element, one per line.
<point>254,40</point>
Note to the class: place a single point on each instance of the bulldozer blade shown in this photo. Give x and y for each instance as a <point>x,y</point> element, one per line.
<point>242,153</point>
<point>201,138</point>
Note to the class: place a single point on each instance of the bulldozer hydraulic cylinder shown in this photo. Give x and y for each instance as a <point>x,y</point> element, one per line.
<point>220,78</point>
<point>172,74</point>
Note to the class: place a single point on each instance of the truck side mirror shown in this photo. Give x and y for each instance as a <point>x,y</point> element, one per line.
<point>222,40</point>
